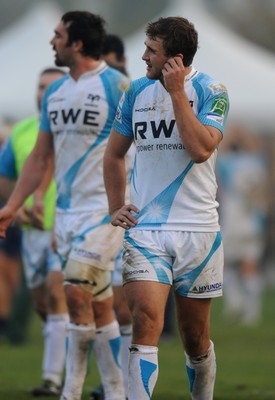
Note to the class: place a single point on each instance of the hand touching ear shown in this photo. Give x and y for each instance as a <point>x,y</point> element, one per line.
<point>173,73</point>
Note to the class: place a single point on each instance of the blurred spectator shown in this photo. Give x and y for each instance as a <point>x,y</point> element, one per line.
<point>113,53</point>
<point>242,174</point>
<point>42,266</point>
<point>10,262</point>
<point>10,272</point>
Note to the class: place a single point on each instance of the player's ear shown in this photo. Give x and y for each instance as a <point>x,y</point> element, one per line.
<point>78,45</point>
<point>180,55</point>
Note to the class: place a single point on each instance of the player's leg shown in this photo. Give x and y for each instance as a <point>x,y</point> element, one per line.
<point>147,279</point>
<point>198,276</point>
<point>147,302</point>
<point>107,349</point>
<point>123,316</point>
<point>193,317</point>
<point>125,326</point>
<point>46,282</point>
<point>35,273</point>
<point>87,278</point>
<point>54,335</point>
<point>81,329</point>
<point>83,283</point>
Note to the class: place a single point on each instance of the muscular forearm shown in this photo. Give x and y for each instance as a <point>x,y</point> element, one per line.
<point>44,184</point>
<point>29,179</point>
<point>115,182</point>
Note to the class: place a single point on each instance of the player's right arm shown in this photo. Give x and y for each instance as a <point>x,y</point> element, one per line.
<point>115,178</point>
<point>29,179</point>
<point>38,208</point>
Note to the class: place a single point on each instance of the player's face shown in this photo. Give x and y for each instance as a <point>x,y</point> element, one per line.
<point>63,52</point>
<point>155,58</point>
<point>44,81</point>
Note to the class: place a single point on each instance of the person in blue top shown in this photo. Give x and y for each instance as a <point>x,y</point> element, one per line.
<point>76,119</point>
<point>175,116</point>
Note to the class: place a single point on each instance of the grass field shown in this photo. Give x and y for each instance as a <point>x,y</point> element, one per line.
<point>245,360</point>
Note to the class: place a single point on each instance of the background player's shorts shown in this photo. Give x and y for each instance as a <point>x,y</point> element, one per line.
<point>117,273</point>
<point>190,261</point>
<point>87,238</point>
<point>38,256</point>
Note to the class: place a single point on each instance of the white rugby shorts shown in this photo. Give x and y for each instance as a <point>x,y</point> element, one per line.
<point>190,261</point>
<point>117,273</point>
<point>88,238</point>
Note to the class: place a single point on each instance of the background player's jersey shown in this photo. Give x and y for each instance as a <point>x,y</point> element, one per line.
<point>170,190</point>
<point>13,156</point>
<point>79,114</point>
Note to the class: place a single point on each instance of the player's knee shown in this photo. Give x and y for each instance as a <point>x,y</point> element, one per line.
<point>147,323</point>
<point>196,341</point>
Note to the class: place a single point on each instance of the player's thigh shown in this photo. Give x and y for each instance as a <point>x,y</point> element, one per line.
<point>93,280</point>
<point>147,301</point>
<point>103,311</point>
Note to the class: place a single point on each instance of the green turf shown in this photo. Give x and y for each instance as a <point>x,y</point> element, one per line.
<point>245,362</point>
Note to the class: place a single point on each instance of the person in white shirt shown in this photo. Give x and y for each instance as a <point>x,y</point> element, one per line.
<point>77,115</point>
<point>175,116</point>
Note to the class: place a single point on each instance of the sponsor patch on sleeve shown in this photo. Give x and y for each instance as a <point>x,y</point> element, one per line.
<point>218,109</point>
<point>217,88</point>
<point>119,107</point>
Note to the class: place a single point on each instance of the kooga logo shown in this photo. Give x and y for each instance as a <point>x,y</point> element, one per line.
<point>146,109</point>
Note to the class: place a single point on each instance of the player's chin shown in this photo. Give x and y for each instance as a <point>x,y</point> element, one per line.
<point>150,74</point>
<point>58,62</point>
<point>153,74</point>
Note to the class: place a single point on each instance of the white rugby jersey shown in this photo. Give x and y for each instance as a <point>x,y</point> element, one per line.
<point>79,114</point>
<point>170,190</point>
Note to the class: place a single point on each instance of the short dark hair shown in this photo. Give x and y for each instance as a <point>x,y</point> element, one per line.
<point>178,35</point>
<point>87,27</point>
<point>52,70</point>
<point>114,44</point>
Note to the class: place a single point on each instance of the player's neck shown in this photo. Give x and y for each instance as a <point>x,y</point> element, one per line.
<point>86,64</point>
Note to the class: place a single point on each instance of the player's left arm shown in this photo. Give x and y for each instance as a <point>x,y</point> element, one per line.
<point>199,140</point>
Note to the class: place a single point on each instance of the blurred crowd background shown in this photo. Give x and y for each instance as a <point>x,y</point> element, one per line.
<point>254,19</point>
<point>246,167</point>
